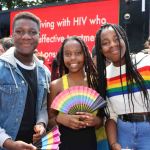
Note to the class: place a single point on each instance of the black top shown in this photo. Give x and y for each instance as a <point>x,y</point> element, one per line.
<point>26,130</point>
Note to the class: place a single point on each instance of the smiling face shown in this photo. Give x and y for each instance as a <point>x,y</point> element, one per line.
<point>110,46</point>
<point>73,56</point>
<point>26,36</point>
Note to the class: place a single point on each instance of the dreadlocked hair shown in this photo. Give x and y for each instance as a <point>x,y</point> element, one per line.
<point>101,69</point>
<point>89,66</point>
<point>133,77</point>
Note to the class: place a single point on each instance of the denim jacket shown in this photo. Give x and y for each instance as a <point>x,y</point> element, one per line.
<point>13,92</point>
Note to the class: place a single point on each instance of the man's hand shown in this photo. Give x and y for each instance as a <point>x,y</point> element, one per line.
<point>17,145</point>
<point>39,131</point>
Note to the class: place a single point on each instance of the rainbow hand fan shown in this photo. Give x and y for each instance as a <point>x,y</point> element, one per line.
<point>50,141</point>
<point>78,99</point>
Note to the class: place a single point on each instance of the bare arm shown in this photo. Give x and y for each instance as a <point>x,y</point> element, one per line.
<point>52,114</point>
<point>71,121</point>
<point>111,131</point>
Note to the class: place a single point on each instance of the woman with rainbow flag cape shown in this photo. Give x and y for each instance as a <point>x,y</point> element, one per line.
<point>126,84</point>
<point>75,68</point>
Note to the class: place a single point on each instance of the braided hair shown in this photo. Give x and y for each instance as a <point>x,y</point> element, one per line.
<point>132,75</point>
<point>89,66</point>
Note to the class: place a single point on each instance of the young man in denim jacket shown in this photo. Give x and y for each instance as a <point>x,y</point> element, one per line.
<point>24,85</point>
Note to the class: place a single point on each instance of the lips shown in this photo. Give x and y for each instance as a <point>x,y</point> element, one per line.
<point>115,51</point>
<point>73,65</point>
<point>26,44</point>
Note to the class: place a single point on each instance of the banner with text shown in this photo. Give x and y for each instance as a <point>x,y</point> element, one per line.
<point>81,19</point>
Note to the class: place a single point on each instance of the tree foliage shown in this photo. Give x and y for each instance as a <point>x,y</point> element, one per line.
<point>11,4</point>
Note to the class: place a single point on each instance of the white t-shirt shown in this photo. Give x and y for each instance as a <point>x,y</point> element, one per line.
<point>117,102</point>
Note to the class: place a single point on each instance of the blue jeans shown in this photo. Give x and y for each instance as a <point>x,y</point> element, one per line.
<point>135,135</point>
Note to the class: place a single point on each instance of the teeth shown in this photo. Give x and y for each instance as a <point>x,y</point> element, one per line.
<point>115,51</point>
<point>73,65</point>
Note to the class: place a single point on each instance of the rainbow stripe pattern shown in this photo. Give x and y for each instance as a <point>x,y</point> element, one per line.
<point>78,99</point>
<point>50,141</point>
<point>114,84</point>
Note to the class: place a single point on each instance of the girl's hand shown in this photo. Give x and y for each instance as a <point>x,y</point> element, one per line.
<point>72,121</point>
<point>91,120</point>
<point>39,131</point>
<point>116,146</point>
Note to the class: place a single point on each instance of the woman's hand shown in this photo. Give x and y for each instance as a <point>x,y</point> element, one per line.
<point>115,146</point>
<point>91,120</point>
<point>39,131</point>
<point>72,121</point>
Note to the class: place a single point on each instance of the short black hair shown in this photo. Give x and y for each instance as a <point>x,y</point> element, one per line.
<point>26,15</point>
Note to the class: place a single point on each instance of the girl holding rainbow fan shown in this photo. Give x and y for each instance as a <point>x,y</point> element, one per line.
<point>75,68</point>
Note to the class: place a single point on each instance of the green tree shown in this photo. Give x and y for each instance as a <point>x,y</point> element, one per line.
<point>11,4</point>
